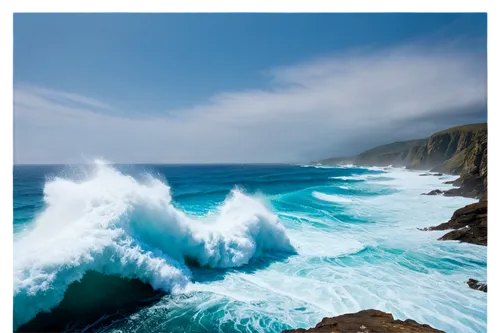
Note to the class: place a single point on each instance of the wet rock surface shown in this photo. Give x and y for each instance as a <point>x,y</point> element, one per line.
<point>434,192</point>
<point>475,284</point>
<point>367,321</point>
<point>469,224</point>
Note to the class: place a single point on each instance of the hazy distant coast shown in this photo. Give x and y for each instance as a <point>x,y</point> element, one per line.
<point>460,150</point>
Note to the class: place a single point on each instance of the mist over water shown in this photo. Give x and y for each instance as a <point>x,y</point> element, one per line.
<point>245,248</point>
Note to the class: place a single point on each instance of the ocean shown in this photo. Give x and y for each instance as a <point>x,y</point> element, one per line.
<point>241,248</point>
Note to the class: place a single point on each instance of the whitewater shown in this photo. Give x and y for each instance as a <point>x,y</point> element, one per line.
<point>246,248</point>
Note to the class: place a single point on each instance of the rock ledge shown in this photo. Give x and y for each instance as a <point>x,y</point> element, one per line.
<point>367,321</point>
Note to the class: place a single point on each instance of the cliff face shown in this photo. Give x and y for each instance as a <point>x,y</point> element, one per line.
<point>472,164</point>
<point>470,223</point>
<point>460,150</point>
<point>451,150</point>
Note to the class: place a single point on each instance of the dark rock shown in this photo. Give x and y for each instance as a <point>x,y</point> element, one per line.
<point>469,189</point>
<point>470,224</point>
<point>437,174</point>
<point>368,321</point>
<point>433,192</point>
<point>454,192</point>
<point>475,284</point>
<point>462,192</point>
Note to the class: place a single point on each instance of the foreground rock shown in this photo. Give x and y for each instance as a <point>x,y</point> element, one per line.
<point>367,321</point>
<point>475,284</point>
<point>469,224</point>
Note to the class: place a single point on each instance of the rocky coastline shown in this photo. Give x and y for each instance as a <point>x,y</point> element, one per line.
<point>459,151</point>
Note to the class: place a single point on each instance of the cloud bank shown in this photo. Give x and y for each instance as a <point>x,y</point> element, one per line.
<point>332,106</point>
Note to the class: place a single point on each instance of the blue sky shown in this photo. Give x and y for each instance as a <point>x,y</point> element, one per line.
<point>178,69</point>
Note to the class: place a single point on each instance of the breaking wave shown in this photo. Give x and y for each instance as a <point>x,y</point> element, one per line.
<point>114,224</point>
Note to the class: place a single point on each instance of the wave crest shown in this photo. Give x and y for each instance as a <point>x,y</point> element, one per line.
<point>112,223</point>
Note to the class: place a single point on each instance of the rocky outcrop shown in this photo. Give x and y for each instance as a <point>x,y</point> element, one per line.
<point>461,150</point>
<point>434,192</point>
<point>475,284</point>
<point>367,321</point>
<point>473,180</point>
<point>469,224</point>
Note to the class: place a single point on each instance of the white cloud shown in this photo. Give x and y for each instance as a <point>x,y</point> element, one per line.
<point>330,106</point>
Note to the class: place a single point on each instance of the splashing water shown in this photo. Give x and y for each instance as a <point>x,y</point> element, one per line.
<point>286,247</point>
<point>113,224</point>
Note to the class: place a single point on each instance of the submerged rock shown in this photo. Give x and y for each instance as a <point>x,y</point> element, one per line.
<point>367,321</point>
<point>475,284</point>
<point>431,174</point>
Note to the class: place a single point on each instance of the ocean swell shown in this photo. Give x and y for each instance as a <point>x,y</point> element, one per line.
<point>112,223</point>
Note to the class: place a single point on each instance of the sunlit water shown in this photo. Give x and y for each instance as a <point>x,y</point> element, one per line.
<point>268,247</point>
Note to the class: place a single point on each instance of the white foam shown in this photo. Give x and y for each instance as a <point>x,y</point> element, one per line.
<point>114,224</point>
<point>355,177</point>
<point>422,279</point>
<point>331,197</point>
<point>381,261</point>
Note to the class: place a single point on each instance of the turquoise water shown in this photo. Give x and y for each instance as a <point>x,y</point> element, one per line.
<point>245,248</point>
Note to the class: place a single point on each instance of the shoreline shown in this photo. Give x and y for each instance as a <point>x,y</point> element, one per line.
<point>467,224</point>
<point>103,322</point>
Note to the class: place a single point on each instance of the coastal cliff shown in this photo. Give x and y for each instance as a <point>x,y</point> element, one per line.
<point>459,150</point>
<point>470,159</point>
<point>367,321</point>
<point>448,151</point>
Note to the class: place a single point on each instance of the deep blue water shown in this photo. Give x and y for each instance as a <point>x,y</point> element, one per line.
<point>245,248</point>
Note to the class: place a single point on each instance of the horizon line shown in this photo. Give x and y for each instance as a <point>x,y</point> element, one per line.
<point>160,163</point>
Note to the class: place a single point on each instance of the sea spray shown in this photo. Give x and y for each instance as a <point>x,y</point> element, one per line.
<point>112,223</point>
<point>366,253</point>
